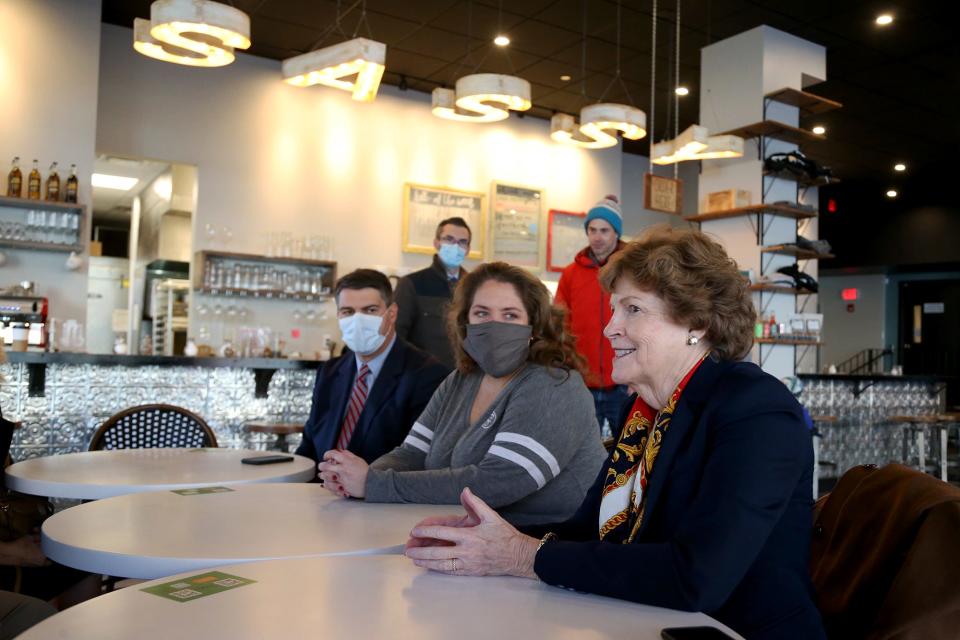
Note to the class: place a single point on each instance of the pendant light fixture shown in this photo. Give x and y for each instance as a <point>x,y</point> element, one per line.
<point>481,97</point>
<point>356,65</point>
<point>600,122</point>
<point>695,143</point>
<point>196,33</point>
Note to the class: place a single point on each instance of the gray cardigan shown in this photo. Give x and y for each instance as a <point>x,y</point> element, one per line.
<point>532,455</point>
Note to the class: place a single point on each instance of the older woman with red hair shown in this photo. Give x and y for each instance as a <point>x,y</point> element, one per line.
<point>704,502</point>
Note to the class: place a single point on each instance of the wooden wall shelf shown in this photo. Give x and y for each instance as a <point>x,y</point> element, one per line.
<point>755,209</point>
<point>40,246</point>
<point>802,180</point>
<point>776,288</point>
<point>808,103</point>
<point>777,130</point>
<point>796,252</point>
<point>45,205</point>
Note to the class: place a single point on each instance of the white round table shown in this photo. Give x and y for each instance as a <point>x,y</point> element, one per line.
<point>93,475</point>
<point>148,535</point>
<point>364,597</point>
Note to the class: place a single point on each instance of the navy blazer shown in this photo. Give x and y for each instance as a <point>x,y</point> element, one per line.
<point>728,516</point>
<point>399,395</point>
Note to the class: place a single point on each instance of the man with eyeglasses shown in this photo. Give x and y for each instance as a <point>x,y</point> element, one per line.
<point>423,296</point>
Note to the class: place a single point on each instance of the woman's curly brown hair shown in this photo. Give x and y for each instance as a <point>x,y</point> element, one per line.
<point>552,346</point>
<point>700,283</point>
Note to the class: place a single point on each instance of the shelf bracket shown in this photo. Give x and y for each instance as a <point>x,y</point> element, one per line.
<point>262,378</point>
<point>862,386</point>
<point>763,360</point>
<point>37,377</point>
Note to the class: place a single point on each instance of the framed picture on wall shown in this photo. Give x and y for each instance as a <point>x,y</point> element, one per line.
<point>565,237</point>
<point>515,225</point>
<point>424,207</point>
<point>662,194</point>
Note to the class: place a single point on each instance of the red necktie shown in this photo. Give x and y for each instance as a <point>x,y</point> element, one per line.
<point>354,407</point>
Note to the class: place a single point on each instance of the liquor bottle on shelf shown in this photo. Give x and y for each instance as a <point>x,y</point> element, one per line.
<point>53,184</point>
<point>70,193</point>
<point>33,182</point>
<point>15,180</point>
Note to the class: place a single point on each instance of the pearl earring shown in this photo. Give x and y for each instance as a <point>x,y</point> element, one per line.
<point>692,339</point>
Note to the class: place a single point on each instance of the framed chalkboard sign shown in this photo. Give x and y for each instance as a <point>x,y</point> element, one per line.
<point>424,207</point>
<point>515,225</point>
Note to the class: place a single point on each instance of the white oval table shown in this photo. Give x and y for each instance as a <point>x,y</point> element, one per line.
<point>147,535</point>
<point>93,475</point>
<point>363,597</point>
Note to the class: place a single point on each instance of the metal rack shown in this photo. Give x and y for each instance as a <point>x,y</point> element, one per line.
<point>169,311</point>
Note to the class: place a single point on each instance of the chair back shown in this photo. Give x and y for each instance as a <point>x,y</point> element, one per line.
<point>884,557</point>
<point>153,425</point>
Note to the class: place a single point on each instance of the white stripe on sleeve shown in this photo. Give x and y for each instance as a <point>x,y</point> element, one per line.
<point>423,431</point>
<point>417,443</point>
<point>532,445</point>
<point>518,459</point>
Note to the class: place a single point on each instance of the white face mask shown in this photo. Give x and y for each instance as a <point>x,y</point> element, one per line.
<point>361,332</point>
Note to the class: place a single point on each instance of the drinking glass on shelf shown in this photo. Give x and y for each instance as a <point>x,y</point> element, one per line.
<point>75,228</point>
<point>66,229</point>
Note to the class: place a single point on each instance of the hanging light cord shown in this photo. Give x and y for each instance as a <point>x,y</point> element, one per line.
<point>676,96</point>
<point>363,20</point>
<point>653,78</point>
<point>583,56</point>
<point>335,26</point>
<point>618,77</point>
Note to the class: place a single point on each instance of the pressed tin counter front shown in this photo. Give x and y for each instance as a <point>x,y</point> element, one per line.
<point>79,392</point>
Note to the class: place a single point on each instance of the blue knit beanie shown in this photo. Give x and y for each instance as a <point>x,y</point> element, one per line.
<point>607,210</point>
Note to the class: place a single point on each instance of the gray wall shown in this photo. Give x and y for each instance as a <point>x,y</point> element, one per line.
<point>847,332</point>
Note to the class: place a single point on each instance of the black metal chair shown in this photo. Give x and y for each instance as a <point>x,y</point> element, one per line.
<point>153,425</point>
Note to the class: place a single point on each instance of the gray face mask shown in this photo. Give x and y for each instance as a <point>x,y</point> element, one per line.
<point>499,348</point>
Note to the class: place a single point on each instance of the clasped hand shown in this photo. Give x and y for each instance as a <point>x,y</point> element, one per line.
<point>480,543</point>
<point>344,473</point>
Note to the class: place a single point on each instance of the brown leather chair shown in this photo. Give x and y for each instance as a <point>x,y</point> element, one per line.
<point>885,556</point>
<point>153,425</point>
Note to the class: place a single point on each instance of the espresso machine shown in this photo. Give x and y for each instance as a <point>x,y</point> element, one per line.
<point>23,319</point>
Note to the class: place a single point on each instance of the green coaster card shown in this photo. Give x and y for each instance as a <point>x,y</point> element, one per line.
<point>198,586</point>
<point>199,491</point>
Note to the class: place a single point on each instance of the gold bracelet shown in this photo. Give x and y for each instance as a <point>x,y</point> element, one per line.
<point>545,539</point>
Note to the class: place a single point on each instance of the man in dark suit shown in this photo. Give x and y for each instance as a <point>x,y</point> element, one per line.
<point>424,295</point>
<point>366,400</point>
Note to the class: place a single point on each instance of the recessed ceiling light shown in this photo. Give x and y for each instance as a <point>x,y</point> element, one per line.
<point>892,193</point>
<point>106,181</point>
<point>884,19</point>
<point>681,91</point>
<point>819,130</point>
<point>501,40</point>
<point>565,78</point>
<point>899,167</point>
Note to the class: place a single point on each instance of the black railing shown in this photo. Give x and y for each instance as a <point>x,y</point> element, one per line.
<point>868,361</point>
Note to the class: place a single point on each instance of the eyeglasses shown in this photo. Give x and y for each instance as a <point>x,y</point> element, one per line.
<point>465,243</point>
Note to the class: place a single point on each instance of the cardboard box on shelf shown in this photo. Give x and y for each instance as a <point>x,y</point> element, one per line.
<point>726,199</point>
<point>96,248</point>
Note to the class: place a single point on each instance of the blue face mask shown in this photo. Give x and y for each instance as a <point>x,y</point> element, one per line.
<point>452,255</point>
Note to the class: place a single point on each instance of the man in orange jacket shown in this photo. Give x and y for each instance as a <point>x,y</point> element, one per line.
<point>588,306</point>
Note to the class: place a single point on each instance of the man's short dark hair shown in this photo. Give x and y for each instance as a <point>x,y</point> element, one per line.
<point>365,279</point>
<point>456,221</point>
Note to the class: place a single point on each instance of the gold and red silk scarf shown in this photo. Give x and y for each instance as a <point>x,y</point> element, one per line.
<point>625,487</point>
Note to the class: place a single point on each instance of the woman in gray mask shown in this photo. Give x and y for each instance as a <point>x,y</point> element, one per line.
<point>514,423</point>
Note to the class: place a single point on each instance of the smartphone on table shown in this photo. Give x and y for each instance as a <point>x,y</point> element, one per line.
<point>693,633</point>
<point>267,459</point>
